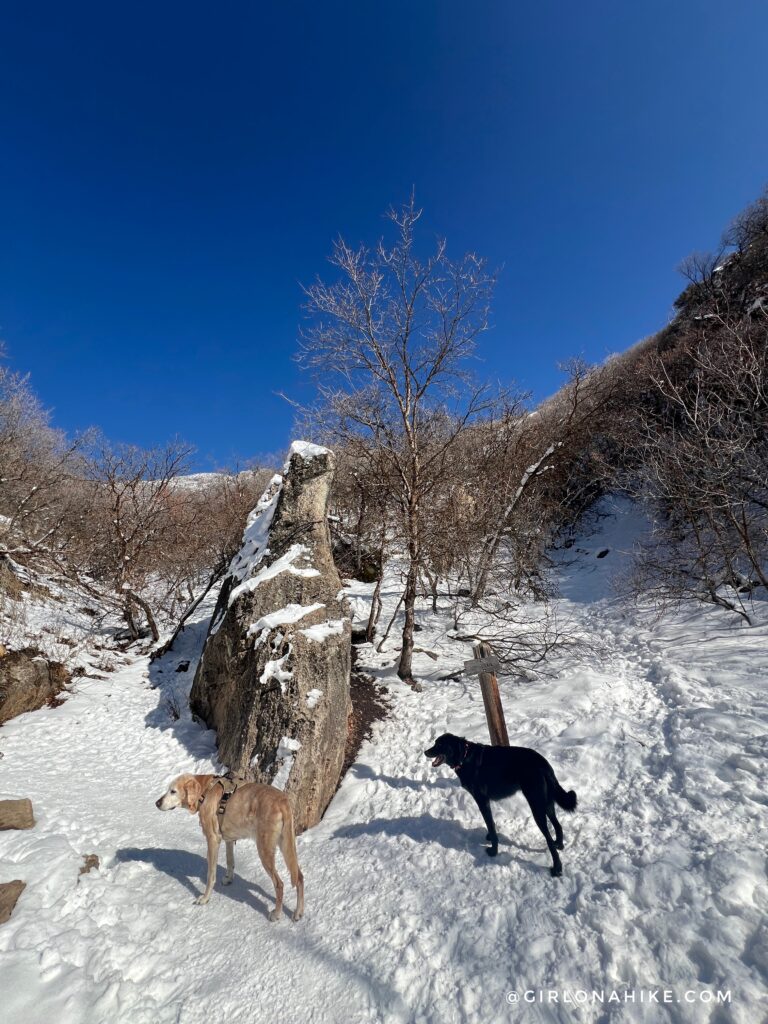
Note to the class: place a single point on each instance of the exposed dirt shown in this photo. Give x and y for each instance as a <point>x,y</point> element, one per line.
<point>369,705</point>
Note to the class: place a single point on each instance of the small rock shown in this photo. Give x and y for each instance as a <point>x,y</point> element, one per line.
<point>16,814</point>
<point>90,861</point>
<point>9,895</point>
<point>182,666</point>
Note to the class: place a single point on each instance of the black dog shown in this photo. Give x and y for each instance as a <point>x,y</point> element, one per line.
<point>492,773</point>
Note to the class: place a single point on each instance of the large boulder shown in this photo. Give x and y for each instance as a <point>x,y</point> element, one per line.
<point>273,680</point>
<point>28,681</point>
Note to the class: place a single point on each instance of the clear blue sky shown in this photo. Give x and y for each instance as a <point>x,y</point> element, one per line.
<point>170,173</point>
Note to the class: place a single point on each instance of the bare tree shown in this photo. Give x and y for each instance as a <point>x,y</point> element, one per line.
<point>390,342</point>
<point>533,473</point>
<point>37,465</point>
<point>129,523</point>
<point>702,449</point>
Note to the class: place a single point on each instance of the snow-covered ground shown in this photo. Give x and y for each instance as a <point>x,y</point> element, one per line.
<point>662,732</point>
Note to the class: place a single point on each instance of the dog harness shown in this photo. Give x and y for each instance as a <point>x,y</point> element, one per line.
<point>456,767</point>
<point>228,783</point>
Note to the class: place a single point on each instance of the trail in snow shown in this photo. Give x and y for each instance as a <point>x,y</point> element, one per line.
<point>662,734</point>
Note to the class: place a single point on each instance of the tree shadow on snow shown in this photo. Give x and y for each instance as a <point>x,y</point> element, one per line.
<point>171,677</point>
<point>450,834</point>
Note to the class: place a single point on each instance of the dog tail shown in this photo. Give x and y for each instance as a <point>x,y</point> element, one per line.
<point>288,848</point>
<point>565,800</point>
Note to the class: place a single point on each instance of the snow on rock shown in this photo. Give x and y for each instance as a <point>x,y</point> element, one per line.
<point>257,531</point>
<point>285,756</point>
<point>285,563</point>
<point>282,617</point>
<point>322,630</point>
<point>276,670</point>
<point>253,550</point>
<point>305,450</point>
<point>313,697</point>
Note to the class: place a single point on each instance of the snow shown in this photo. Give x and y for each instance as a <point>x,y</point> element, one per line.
<point>275,669</point>
<point>661,731</point>
<point>306,450</point>
<point>313,698</point>
<point>283,617</point>
<point>256,532</point>
<point>322,630</point>
<point>285,563</point>
<point>285,751</point>
<point>254,547</point>
<point>62,623</point>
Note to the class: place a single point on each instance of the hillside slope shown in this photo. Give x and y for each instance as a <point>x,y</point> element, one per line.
<point>661,732</point>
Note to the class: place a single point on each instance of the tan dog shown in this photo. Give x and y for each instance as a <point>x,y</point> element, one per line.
<point>253,811</point>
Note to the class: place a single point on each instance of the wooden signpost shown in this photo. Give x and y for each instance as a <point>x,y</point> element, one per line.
<point>486,666</point>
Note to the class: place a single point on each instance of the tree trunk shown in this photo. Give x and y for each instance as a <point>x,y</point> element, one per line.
<point>148,614</point>
<point>405,667</point>
<point>373,618</point>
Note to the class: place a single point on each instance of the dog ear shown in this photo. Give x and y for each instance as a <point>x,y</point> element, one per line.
<point>192,793</point>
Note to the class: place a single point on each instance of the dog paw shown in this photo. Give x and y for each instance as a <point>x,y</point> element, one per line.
<point>556,870</point>
<point>297,916</point>
<point>227,880</point>
<point>492,851</point>
<point>560,845</point>
<point>201,901</point>
<point>274,915</point>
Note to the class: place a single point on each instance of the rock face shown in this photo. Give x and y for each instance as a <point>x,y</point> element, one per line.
<point>27,681</point>
<point>273,680</point>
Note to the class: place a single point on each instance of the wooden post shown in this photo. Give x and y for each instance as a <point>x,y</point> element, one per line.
<point>486,665</point>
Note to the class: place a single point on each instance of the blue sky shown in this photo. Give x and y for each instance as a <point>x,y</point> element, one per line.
<point>171,173</point>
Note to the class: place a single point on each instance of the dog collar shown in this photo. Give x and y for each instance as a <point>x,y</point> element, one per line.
<point>456,767</point>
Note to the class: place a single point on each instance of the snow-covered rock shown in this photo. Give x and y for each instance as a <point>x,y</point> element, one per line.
<point>276,666</point>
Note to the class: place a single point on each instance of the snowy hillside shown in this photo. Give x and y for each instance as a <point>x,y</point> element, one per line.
<point>662,733</point>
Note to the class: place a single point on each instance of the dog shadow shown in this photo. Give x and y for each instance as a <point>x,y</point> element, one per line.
<point>183,867</point>
<point>448,833</point>
<point>363,771</point>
